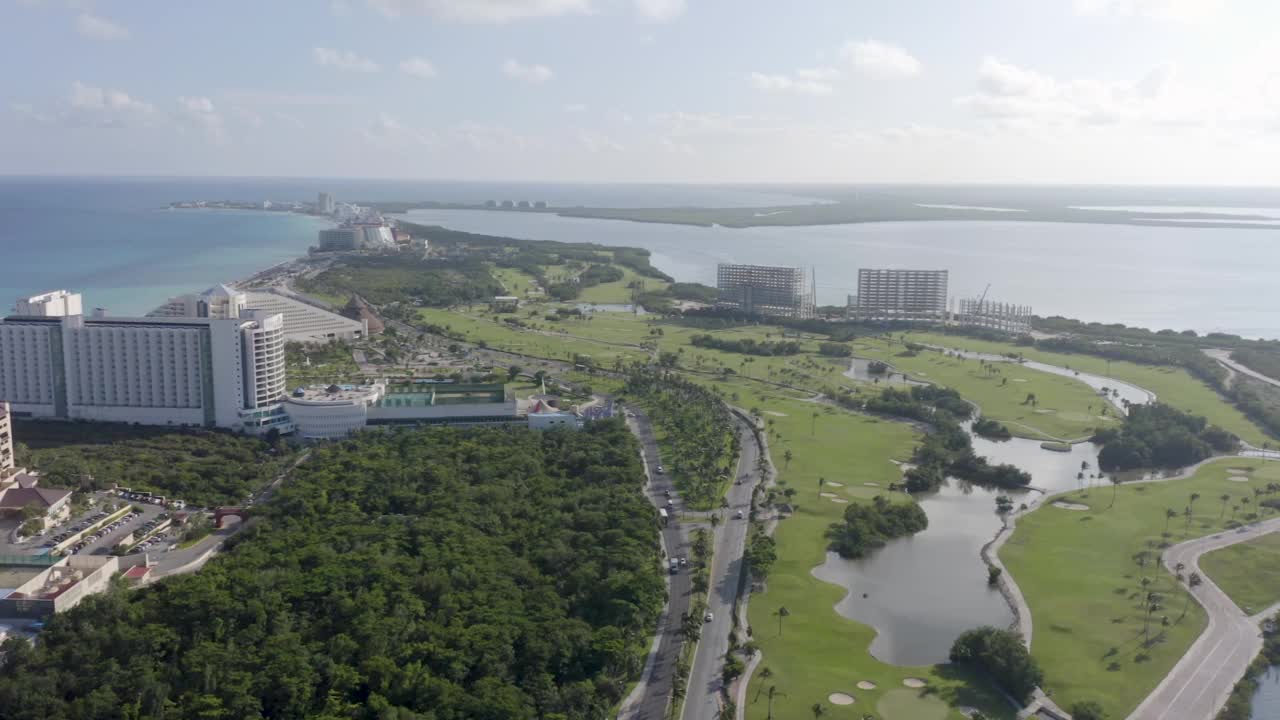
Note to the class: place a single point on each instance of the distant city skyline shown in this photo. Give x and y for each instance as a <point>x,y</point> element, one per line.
<point>918,91</point>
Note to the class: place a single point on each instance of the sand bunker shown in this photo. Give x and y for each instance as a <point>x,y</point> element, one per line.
<point>869,484</point>
<point>1235,471</point>
<point>834,484</point>
<point>775,413</point>
<point>1069,505</point>
<point>913,682</point>
<point>840,501</point>
<point>866,685</point>
<point>840,699</point>
<point>1238,478</point>
<point>1019,379</point>
<point>827,494</point>
<point>1044,411</point>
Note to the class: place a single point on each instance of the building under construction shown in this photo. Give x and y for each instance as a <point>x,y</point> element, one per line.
<point>765,290</point>
<point>894,295</point>
<point>1005,317</point>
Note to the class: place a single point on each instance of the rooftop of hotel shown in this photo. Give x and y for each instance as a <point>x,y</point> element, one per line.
<point>333,393</point>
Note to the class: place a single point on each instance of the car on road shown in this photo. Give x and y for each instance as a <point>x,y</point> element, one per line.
<point>684,560</point>
<point>661,471</point>
<point>709,617</point>
<point>739,514</point>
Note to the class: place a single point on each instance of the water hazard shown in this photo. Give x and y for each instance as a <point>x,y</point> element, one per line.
<point>919,593</point>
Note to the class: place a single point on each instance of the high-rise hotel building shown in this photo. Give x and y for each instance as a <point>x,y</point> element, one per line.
<point>764,290</point>
<point>206,371</point>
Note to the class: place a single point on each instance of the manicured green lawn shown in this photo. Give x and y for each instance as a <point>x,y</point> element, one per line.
<point>1065,409</point>
<point>619,291</point>
<point>1078,572</point>
<point>1248,572</point>
<point>818,651</point>
<point>515,281</point>
<point>1174,386</point>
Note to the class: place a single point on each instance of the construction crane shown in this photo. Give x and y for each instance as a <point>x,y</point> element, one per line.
<point>983,299</point>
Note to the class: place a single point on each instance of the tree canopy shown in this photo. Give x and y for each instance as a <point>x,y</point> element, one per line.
<point>1158,435</point>
<point>439,574</point>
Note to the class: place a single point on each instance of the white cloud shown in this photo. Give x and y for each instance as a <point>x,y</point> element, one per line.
<point>1170,10</point>
<point>387,131</point>
<point>482,11</point>
<point>660,10</point>
<point>880,59</point>
<point>343,60</point>
<point>1025,100</point>
<point>89,106</point>
<point>787,83</point>
<point>99,28</point>
<point>1008,80</point>
<point>418,67</point>
<point>575,108</point>
<point>249,117</point>
<point>491,138</point>
<point>87,97</point>
<point>532,74</point>
<point>598,143</point>
<point>339,8</point>
<point>199,113</point>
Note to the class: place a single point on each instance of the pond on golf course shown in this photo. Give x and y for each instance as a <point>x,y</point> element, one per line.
<point>921,592</point>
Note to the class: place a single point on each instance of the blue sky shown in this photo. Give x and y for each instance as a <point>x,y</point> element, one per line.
<point>1052,91</point>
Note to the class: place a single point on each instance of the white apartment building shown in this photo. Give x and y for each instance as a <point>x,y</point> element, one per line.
<point>219,301</point>
<point>890,295</point>
<point>302,322</point>
<point>204,371</point>
<point>51,304</point>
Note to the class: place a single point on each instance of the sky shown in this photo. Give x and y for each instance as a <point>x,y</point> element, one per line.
<point>914,91</point>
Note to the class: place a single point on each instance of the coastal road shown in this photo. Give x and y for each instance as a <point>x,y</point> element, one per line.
<point>649,701</point>
<point>705,677</point>
<point>1198,686</point>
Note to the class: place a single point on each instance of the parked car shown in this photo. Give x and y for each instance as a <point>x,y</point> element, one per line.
<point>709,617</point>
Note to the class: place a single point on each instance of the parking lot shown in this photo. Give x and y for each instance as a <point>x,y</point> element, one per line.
<point>102,505</point>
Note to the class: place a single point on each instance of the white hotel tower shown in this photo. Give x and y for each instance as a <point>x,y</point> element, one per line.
<point>224,371</point>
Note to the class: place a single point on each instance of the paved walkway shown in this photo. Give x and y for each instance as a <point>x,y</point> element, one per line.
<point>1224,357</point>
<point>1199,685</point>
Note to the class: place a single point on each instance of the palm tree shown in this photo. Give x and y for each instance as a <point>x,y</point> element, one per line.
<point>786,457</point>
<point>765,674</point>
<point>1192,506</point>
<point>818,710</point>
<point>773,690</point>
<point>715,520</point>
<point>781,612</point>
<point>1225,498</point>
<point>821,481</point>
<point>1152,605</point>
<point>1187,530</point>
<point>813,423</point>
<point>1169,514</point>
<point>1115,485</point>
<point>1234,509</point>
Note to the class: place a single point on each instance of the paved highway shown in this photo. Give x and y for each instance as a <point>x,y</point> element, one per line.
<point>705,677</point>
<point>654,690</point>
<point>1198,686</point>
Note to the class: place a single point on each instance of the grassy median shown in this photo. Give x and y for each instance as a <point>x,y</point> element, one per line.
<point>1079,571</point>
